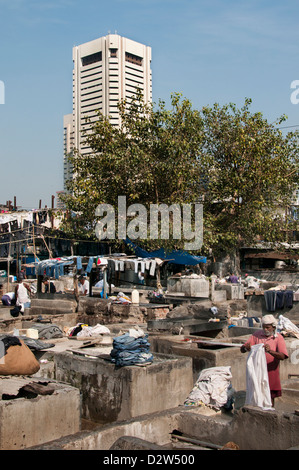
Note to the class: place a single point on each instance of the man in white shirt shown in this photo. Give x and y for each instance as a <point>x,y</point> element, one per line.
<point>83,286</point>
<point>8,298</point>
<point>22,293</point>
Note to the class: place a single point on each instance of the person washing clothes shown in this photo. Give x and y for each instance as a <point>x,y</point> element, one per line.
<point>83,286</point>
<point>275,349</point>
<point>22,292</point>
<point>8,299</point>
<point>49,286</point>
<point>233,279</point>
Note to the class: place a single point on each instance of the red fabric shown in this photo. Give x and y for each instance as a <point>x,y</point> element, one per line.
<point>277,344</point>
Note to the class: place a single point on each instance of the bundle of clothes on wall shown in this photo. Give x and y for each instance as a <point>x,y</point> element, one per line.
<point>213,388</point>
<point>131,348</point>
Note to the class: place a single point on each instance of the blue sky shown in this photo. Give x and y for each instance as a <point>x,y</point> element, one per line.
<point>208,50</point>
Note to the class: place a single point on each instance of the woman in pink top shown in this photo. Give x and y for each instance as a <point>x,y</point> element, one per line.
<point>275,349</point>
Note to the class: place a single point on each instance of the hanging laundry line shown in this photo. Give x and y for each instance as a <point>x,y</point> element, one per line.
<point>54,267</point>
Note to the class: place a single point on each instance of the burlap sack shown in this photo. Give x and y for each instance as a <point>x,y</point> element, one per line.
<point>19,360</point>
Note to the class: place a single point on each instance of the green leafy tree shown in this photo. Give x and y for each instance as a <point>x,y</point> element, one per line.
<point>151,158</point>
<point>243,170</point>
<point>251,172</point>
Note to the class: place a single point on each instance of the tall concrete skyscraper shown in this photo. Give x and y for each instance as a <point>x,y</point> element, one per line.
<point>106,71</point>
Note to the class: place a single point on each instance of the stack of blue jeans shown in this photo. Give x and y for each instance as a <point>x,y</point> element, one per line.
<point>128,350</point>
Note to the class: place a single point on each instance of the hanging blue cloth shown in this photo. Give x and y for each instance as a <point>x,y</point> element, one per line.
<point>79,263</point>
<point>56,270</point>
<point>89,266</point>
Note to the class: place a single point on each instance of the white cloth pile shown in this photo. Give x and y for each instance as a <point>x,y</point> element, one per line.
<point>136,332</point>
<point>212,388</point>
<point>257,381</point>
<point>120,298</point>
<point>93,331</point>
<point>286,326</point>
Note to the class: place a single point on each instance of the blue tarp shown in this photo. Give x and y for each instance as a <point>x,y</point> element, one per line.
<point>175,256</point>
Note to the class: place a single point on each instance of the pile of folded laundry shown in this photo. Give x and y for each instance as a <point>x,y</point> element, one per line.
<point>131,348</point>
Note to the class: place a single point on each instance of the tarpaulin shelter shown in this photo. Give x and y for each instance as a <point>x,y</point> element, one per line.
<point>174,256</point>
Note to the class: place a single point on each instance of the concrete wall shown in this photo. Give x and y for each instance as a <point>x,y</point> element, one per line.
<point>112,394</point>
<point>230,356</point>
<point>29,422</point>
<point>191,287</point>
<point>204,358</point>
<point>233,291</point>
<point>153,428</point>
<point>250,428</point>
<point>52,304</point>
<point>276,276</point>
<point>255,429</point>
<point>93,305</point>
